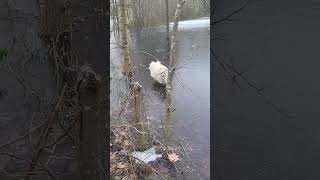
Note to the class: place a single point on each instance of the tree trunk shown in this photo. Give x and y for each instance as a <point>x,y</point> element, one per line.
<point>88,88</point>
<point>172,68</point>
<point>168,31</point>
<point>124,37</point>
<point>141,143</point>
<point>91,43</point>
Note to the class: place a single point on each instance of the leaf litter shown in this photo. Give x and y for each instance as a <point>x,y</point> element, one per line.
<point>129,164</point>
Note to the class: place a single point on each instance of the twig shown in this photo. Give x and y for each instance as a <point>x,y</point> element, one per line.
<point>18,175</point>
<point>62,136</point>
<point>52,152</point>
<point>50,174</point>
<point>23,136</point>
<point>22,82</point>
<point>46,132</point>
<point>185,151</point>
<point>250,84</point>
<point>138,51</point>
<point>228,17</point>
<point>122,109</point>
<point>162,176</point>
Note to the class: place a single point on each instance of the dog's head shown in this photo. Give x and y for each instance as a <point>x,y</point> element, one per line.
<point>164,76</point>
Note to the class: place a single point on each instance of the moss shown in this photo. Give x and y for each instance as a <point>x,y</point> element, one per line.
<point>3,54</point>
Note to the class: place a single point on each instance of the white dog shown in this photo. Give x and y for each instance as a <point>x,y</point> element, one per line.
<point>159,72</point>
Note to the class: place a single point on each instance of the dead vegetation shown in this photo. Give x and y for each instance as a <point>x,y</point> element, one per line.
<point>125,166</point>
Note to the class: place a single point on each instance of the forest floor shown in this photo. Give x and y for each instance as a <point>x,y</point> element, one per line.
<point>125,166</point>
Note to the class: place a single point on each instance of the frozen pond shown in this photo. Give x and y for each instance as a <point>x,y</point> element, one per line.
<point>191,121</point>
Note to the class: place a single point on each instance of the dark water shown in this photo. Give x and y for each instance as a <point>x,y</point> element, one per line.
<point>277,44</point>
<point>191,121</point>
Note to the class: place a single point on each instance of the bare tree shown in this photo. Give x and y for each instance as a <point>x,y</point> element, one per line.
<point>124,39</point>
<point>172,68</point>
<point>141,143</point>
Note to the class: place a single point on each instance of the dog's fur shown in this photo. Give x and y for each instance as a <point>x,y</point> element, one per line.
<point>159,72</point>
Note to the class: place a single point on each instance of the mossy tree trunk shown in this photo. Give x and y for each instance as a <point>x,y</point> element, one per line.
<point>172,68</point>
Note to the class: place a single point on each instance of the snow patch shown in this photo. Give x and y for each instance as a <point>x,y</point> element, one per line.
<point>193,24</point>
<point>146,156</point>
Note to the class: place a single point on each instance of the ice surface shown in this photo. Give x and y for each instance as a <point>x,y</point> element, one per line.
<point>193,24</point>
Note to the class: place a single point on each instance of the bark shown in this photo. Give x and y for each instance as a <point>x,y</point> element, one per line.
<point>88,89</point>
<point>172,68</point>
<point>141,143</point>
<point>168,31</point>
<point>124,36</point>
<point>52,18</point>
<point>90,42</point>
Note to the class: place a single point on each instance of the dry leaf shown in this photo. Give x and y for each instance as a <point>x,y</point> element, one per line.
<point>119,171</point>
<point>122,133</point>
<point>132,176</point>
<point>112,167</point>
<point>173,157</point>
<point>113,156</point>
<point>121,166</point>
<point>126,143</point>
<point>118,140</point>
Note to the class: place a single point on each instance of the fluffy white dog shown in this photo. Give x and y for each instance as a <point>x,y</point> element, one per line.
<point>159,72</point>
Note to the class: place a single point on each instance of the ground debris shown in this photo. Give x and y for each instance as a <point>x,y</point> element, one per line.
<point>123,164</point>
<point>173,157</point>
<point>146,156</point>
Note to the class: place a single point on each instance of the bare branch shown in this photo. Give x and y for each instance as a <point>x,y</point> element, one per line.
<point>23,136</point>
<point>43,139</point>
<point>63,135</point>
<point>49,173</point>
<point>229,17</point>
<point>249,83</point>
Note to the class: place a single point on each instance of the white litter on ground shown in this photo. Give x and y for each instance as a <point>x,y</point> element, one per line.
<point>146,156</point>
